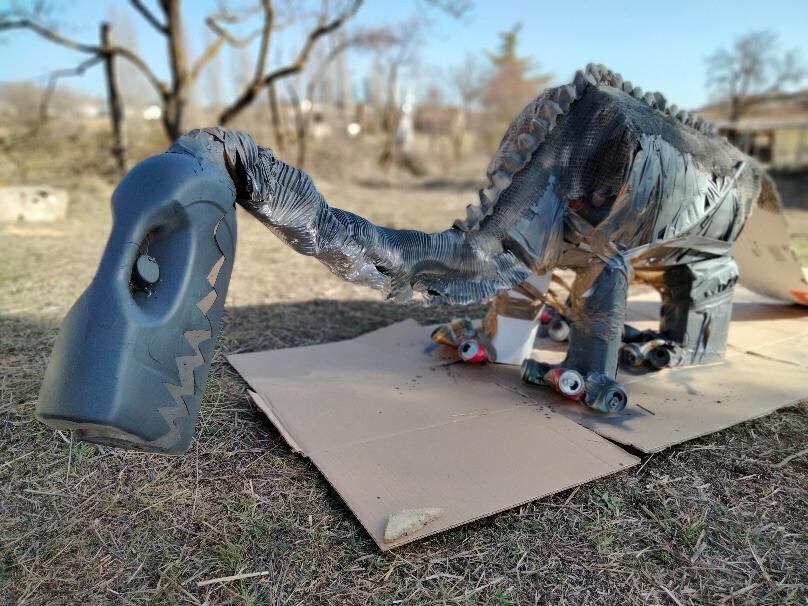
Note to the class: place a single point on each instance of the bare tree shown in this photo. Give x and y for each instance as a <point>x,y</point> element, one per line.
<point>750,68</point>
<point>175,93</point>
<point>371,39</point>
<point>325,25</point>
<point>469,81</point>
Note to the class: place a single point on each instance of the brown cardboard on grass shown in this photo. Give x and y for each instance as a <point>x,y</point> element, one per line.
<point>764,369</point>
<point>392,427</point>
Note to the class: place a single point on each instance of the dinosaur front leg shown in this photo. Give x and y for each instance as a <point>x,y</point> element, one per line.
<point>597,315</point>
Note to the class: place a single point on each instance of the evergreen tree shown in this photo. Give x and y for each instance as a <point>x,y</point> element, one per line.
<point>511,84</point>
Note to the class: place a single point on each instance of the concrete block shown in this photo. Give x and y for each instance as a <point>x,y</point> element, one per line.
<point>32,204</point>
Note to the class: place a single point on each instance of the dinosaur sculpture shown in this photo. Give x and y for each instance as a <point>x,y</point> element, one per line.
<point>594,176</point>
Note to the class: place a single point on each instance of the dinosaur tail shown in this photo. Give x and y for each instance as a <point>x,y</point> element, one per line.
<point>451,266</point>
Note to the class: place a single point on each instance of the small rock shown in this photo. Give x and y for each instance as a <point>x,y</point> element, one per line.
<point>407,521</point>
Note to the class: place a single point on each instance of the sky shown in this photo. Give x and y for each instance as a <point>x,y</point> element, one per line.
<point>658,45</point>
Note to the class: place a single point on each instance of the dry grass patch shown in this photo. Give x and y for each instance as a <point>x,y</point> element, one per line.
<point>717,520</point>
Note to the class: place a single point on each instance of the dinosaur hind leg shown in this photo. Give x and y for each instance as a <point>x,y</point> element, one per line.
<point>697,307</point>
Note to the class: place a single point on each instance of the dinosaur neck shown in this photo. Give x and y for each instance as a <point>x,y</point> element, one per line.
<point>449,266</point>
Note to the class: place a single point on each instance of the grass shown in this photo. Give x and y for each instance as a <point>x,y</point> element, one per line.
<point>712,521</point>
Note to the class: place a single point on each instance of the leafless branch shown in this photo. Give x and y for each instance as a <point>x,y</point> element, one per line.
<point>263,47</point>
<point>54,76</point>
<point>135,60</point>
<point>255,86</point>
<point>149,16</point>
<point>92,49</point>
<point>223,37</point>
<point>48,34</point>
<point>456,8</point>
<point>375,38</point>
<point>749,69</point>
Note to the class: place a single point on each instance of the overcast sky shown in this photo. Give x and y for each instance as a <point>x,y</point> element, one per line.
<point>657,44</point>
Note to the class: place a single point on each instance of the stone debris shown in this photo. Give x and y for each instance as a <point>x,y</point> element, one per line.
<point>408,521</point>
<point>32,204</point>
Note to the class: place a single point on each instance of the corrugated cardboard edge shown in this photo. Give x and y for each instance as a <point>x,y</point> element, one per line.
<point>651,451</point>
<point>428,532</point>
<point>267,409</point>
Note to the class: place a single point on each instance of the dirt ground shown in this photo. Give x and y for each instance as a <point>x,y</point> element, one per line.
<point>720,520</point>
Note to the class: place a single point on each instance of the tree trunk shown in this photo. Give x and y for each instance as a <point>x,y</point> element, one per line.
<point>275,116</point>
<point>300,124</point>
<point>174,102</point>
<point>115,106</point>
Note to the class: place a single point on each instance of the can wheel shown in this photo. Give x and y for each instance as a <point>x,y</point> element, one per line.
<point>558,330</point>
<point>604,394</point>
<point>660,357</point>
<point>614,399</point>
<point>631,355</point>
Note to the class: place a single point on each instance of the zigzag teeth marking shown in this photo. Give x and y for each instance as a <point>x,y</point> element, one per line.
<point>214,272</point>
<point>187,364</point>
<point>185,368</point>
<point>205,304</point>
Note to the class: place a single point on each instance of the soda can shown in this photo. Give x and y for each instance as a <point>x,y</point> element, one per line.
<point>569,383</point>
<point>444,335</point>
<point>472,351</point>
<point>558,329</point>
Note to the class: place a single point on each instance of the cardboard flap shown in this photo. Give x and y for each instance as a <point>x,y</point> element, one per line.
<point>767,263</point>
<point>394,427</point>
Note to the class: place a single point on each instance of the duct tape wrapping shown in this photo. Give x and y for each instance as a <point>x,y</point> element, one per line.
<point>614,187</point>
<point>447,266</point>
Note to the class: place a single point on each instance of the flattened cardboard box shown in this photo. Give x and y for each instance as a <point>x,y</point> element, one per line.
<point>392,428</point>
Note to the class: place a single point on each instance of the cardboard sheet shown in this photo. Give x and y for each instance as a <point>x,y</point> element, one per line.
<point>764,369</point>
<point>392,427</point>
<point>766,260</point>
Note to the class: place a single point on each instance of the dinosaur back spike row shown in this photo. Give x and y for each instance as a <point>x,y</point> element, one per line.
<point>540,117</point>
